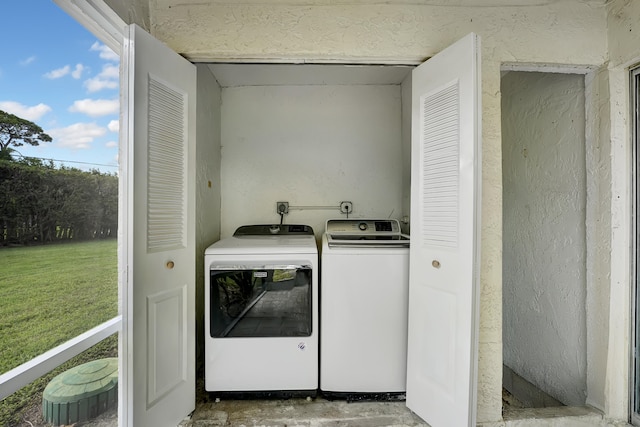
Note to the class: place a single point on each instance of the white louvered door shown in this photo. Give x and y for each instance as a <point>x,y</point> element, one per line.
<point>444,256</point>
<point>159,89</point>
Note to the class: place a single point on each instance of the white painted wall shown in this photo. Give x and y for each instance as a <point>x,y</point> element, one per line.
<point>207,183</point>
<point>406,151</point>
<point>311,146</point>
<point>544,236</point>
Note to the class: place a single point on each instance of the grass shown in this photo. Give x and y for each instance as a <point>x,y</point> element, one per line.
<point>49,294</point>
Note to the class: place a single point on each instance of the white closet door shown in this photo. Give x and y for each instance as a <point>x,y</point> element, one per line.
<point>444,273</point>
<point>158,124</point>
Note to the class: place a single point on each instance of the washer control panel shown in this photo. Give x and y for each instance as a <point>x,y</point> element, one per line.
<point>363,226</point>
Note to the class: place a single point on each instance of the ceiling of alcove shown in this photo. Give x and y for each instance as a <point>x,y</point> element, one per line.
<point>229,75</point>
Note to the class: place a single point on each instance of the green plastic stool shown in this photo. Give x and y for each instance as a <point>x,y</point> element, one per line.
<point>82,392</point>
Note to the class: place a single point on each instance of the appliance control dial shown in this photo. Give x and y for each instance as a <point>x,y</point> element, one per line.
<point>363,226</point>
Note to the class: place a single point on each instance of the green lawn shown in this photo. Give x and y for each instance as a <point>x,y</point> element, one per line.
<point>49,294</point>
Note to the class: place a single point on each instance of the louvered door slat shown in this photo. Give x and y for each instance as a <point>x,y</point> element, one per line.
<point>166,180</point>
<point>440,152</point>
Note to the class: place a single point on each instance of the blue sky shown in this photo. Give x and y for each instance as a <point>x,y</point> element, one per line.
<point>58,75</point>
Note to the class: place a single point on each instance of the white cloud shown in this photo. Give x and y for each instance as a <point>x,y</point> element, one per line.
<point>28,61</point>
<point>57,73</point>
<point>105,53</point>
<point>114,125</point>
<point>97,84</point>
<point>77,136</point>
<point>33,113</point>
<point>111,144</point>
<point>77,72</point>
<point>110,71</point>
<point>96,107</point>
<point>107,79</point>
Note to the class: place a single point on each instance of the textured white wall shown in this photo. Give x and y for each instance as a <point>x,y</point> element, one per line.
<point>207,171</point>
<point>544,240</point>
<point>310,146</point>
<point>598,227</point>
<point>624,36</point>
<point>563,32</point>
<point>624,45</point>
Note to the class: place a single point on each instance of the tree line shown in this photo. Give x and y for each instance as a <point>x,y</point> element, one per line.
<point>40,203</point>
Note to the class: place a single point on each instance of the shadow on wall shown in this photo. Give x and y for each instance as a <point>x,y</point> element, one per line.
<point>522,394</point>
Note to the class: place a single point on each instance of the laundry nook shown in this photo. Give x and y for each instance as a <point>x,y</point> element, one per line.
<point>419,213</point>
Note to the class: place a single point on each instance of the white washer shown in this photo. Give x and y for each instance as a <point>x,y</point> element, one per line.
<point>261,310</point>
<point>365,291</point>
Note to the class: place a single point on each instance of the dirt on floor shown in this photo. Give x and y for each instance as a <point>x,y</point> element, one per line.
<point>509,401</point>
<point>32,417</point>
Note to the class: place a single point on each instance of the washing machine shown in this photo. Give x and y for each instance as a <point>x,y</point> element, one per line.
<point>261,311</point>
<point>364,307</point>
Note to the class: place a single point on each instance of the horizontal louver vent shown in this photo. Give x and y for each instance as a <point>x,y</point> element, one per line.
<point>166,180</point>
<point>440,159</point>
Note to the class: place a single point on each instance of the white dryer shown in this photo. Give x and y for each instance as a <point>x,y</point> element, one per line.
<point>261,311</point>
<point>364,307</point>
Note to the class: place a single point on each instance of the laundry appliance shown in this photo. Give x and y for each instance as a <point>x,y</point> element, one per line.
<point>261,311</point>
<point>364,307</point>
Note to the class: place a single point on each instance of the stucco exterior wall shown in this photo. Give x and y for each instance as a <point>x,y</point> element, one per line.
<point>598,226</point>
<point>624,46</point>
<point>564,32</point>
<point>568,32</point>
<point>624,32</point>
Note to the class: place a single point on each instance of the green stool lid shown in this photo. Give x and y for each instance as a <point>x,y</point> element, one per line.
<point>82,392</point>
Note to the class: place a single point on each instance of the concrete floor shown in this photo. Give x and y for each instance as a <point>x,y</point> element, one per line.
<point>320,412</point>
<point>316,412</point>
<point>323,413</point>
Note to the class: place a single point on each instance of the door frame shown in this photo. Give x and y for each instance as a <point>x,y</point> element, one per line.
<point>634,360</point>
<point>593,135</point>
